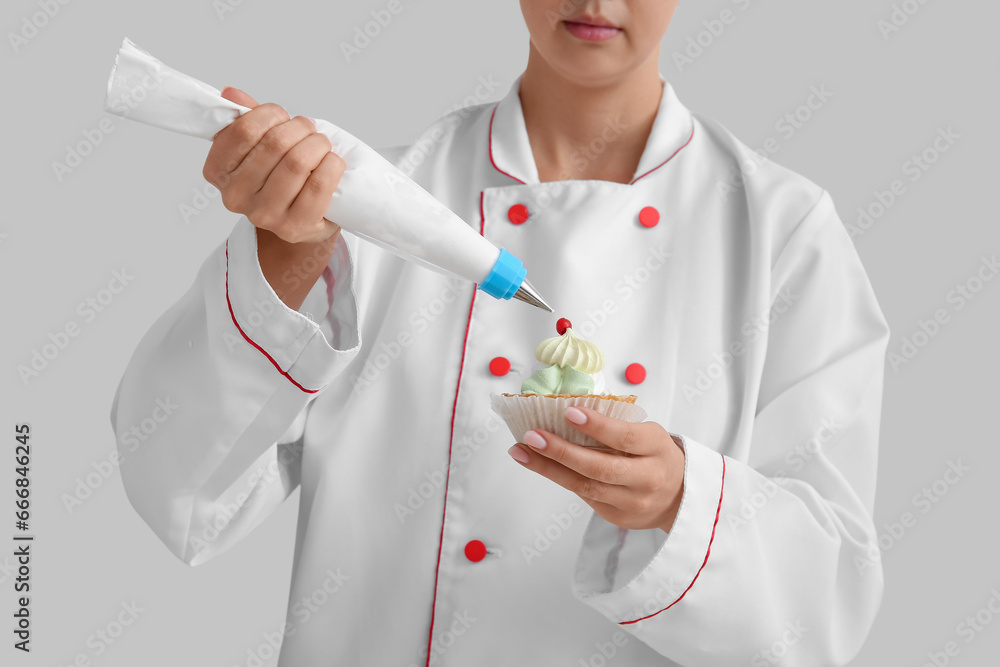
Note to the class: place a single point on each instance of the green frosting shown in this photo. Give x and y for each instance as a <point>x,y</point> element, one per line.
<point>556,380</point>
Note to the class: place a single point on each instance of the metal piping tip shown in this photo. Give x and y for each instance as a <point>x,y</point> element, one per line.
<point>528,294</point>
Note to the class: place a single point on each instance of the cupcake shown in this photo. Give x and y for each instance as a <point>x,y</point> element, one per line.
<point>570,375</point>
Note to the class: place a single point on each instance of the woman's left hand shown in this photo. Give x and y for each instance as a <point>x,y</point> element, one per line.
<point>637,486</point>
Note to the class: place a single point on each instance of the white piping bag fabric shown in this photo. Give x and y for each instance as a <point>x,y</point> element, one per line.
<point>374,200</point>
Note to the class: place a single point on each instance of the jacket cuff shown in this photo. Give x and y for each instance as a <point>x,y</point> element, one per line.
<point>664,572</point>
<point>307,353</point>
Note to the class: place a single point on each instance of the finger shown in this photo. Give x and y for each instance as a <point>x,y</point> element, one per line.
<point>234,142</point>
<point>315,194</point>
<point>571,480</point>
<point>238,96</point>
<point>261,163</point>
<point>639,439</point>
<point>276,197</point>
<point>609,467</point>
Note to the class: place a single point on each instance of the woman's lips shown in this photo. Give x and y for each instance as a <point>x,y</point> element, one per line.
<point>591,33</point>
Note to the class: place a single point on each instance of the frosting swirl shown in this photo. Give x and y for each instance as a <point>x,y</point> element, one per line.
<point>556,380</point>
<point>570,350</point>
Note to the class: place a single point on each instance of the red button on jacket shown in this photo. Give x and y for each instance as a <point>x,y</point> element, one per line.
<point>518,214</point>
<point>649,216</point>
<point>635,373</point>
<point>475,551</point>
<point>500,366</point>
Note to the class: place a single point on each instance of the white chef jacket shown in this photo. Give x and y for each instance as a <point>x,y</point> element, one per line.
<point>763,347</point>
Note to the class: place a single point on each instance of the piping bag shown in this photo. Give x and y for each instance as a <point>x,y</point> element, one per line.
<point>374,200</point>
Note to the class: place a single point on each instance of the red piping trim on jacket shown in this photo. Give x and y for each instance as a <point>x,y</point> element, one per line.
<point>451,440</point>
<point>493,162</point>
<point>669,158</point>
<point>491,154</point>
<point>240,329</point>
<point>707,553</point>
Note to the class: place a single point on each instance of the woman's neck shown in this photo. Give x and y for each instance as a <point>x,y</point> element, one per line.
<point>580,132</point>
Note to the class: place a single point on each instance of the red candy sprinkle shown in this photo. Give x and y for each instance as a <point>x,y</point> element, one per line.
<point>562,325</point>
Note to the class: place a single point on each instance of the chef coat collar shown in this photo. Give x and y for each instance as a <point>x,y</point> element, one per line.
<point>510,149</point>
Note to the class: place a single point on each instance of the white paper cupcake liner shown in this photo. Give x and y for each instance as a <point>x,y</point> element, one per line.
<point>524,413</point>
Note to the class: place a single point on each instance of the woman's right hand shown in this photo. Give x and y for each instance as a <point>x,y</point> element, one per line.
<point>277,171</point>
<point>281,174</point>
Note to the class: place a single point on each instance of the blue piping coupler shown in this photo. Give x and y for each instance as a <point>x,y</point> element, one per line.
<point>506,280</point>
<point>507,275</point>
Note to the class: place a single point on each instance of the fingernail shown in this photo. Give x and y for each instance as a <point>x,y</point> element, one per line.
<point>518,454</point>
<point>313,122</point>
<point>535,439</point>
<point>575,416</point>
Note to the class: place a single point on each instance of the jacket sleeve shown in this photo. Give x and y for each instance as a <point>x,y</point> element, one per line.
<point>773,560</point>
<point>210,412</point>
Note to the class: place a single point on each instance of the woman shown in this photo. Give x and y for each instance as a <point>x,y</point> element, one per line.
<point>734,526</point>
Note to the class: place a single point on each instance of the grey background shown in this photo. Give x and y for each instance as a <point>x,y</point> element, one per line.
<point>60,241</point>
